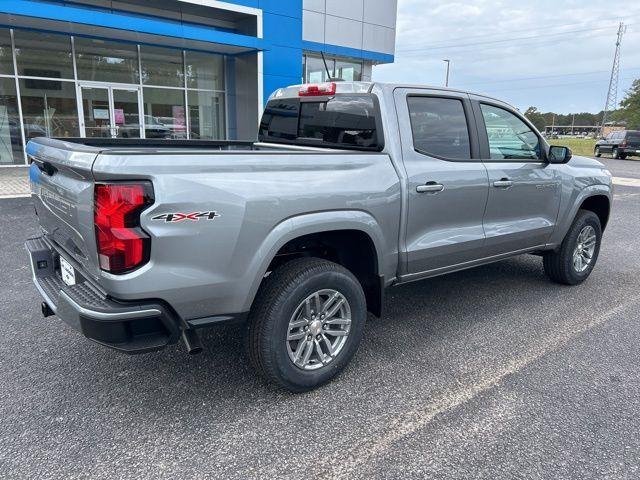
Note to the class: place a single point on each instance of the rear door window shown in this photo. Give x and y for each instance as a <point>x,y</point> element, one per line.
<point>439,127</point>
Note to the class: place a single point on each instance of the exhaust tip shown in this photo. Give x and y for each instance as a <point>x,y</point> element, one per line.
<point>46,310</point>
<point>191,341</point>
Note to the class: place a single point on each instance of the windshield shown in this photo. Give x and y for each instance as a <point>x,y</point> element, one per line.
<point>343,121</point>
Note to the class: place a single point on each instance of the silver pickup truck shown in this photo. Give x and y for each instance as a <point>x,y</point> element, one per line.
<point>352,188</point>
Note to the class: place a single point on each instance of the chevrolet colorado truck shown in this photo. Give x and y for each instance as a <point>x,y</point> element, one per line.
<point>350,189</point>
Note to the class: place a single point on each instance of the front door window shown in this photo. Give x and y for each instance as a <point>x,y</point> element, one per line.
<point>509,137</point>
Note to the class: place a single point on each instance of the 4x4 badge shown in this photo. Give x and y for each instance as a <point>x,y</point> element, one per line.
<point>179,217</point>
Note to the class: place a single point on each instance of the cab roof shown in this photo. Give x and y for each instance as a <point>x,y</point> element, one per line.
<point>367,87</point>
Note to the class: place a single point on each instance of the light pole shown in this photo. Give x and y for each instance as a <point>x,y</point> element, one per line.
<point>448,62</point>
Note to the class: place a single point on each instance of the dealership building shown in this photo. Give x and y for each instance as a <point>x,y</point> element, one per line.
<point>172,69</point>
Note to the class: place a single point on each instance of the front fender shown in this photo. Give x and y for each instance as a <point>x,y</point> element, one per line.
<point>569,211</point>
<point>317,222</point>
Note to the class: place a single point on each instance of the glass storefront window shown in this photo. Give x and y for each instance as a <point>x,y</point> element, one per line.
<point>10,137</point>
<point>107,79</point>
<point>49,108</point>
<point>43,54</point>
<point>162,66</point>
<point>348,71</point>
<point>316,71</point>
<point>6,58</point>
<point>204,71</point>
<point>164,113</point>
<point>105,61</point>
<point>206,115</point>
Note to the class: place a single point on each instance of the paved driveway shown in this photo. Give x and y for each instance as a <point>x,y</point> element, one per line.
<point>489,373</point>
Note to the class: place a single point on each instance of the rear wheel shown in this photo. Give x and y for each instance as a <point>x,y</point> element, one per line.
<point>596,152</point>
<point>306,323</point>
<point>616,153</point>
<point>574,261</point>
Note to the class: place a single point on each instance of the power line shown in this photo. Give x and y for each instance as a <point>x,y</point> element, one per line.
<point>572,84</point>
<point>509,40</point>
<point>519,31</point>
<point>540,77</point>
<point>531,44</point>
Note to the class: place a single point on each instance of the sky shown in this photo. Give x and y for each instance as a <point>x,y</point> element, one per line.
<point>554,55</point>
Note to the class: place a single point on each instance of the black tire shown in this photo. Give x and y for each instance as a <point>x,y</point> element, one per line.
<point>277,300</point>
<point>596,152</point>
<point>558,265</point>
<point>616,154</point>
<point>622,156</point>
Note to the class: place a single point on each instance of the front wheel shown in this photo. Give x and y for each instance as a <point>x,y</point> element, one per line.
<point>306,323</point>
<point>574,261</point>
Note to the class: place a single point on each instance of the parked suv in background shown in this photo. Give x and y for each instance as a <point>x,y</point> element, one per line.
<point>621,144</point>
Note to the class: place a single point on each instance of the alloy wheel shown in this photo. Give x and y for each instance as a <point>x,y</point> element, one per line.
<point>318,329</point>
<point>585,248</point>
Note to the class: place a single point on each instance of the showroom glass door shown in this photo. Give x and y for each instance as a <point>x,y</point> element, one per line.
<point>96,112</point>
<point>126,112</point>
<point>110,112</point>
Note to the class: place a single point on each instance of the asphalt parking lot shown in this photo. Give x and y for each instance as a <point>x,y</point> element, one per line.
<point>489,373</point>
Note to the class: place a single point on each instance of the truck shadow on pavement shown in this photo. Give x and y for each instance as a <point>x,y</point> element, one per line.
<point>430,310</point>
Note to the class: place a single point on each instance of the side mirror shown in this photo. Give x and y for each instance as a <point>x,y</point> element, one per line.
<point>559,154</point>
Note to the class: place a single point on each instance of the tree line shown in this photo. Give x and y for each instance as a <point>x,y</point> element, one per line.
<point>629,113</point>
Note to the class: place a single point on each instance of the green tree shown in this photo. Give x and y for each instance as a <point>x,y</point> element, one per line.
<point>535,117</point>
<point>630,111</point>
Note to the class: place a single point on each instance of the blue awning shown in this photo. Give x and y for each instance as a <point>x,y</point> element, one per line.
<point>95,22</point>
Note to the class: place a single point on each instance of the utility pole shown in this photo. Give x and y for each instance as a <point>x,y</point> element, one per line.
<point>612,94</point>
<point>573,122</point>
<point>448,62</point>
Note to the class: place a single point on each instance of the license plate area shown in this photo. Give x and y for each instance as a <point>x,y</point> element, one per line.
<point>67,272</point>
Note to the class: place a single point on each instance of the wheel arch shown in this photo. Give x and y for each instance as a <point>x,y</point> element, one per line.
<point>600,205</point>
<point>602,196</point>
<point>352,239</point>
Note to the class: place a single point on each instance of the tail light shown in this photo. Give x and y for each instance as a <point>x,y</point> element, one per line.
<point>623,144</point>
<point>318,89</point>
<point>122,244</point>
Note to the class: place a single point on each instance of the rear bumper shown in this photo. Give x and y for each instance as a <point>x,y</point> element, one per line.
<point>630,150</point>
<point>129,327</point>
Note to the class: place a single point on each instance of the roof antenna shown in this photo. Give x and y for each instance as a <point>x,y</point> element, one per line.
<point>326,67</point>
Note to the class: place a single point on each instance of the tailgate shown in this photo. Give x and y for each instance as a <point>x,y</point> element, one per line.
<point>62,190</point>
<point>633,140</point>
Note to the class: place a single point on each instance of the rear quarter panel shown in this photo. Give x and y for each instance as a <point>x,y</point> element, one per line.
<point>205,268</point>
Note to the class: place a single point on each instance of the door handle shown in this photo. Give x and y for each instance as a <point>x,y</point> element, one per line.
<point>503,183</point>
<point>430,187</point>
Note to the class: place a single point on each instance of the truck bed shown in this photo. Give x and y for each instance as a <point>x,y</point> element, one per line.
<point>154,143</point>
<point>260,193</point>
<point>150,145</point>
